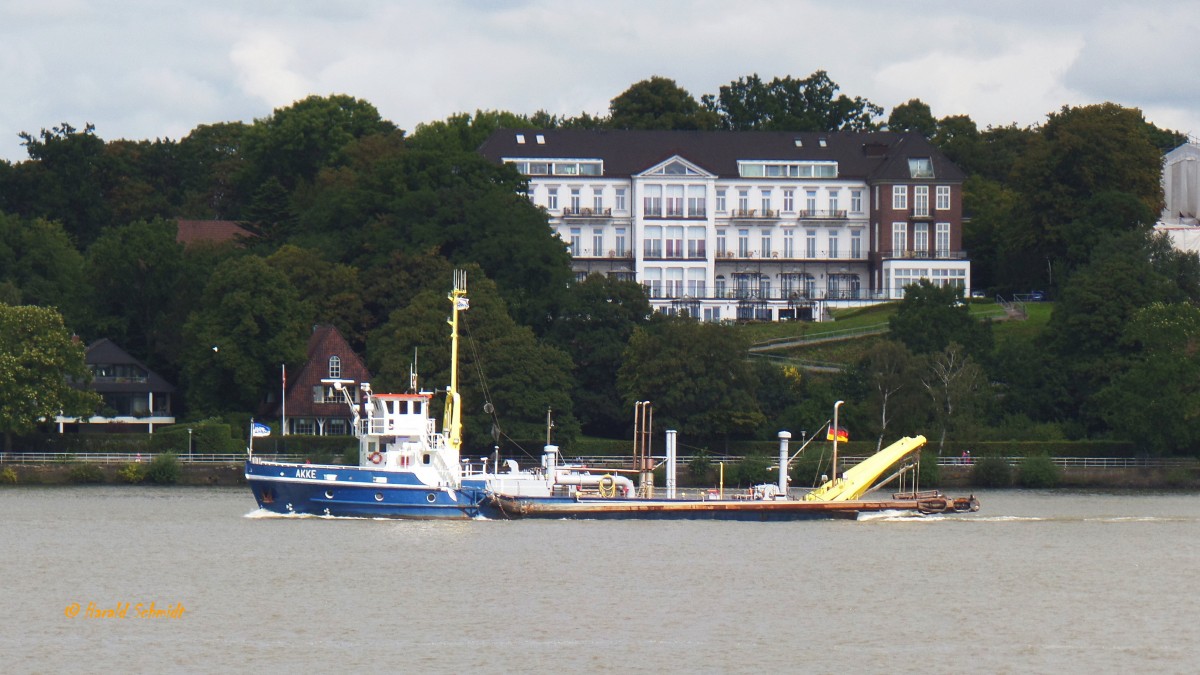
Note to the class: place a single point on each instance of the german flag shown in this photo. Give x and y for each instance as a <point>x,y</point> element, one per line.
<point>839,433</point>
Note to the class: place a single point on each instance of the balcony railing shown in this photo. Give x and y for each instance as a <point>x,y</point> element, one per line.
<point>779,256</point>
<point>656,291</point>
<point>627,254</point>
<point>753,213</point>
<point>822,214</point>
<point>925,255</point>
<point>568,212</point>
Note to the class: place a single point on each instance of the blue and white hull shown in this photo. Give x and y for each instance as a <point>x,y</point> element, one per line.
<point>358,492</point>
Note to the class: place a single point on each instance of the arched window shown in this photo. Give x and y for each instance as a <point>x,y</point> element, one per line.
<point>335,368</point>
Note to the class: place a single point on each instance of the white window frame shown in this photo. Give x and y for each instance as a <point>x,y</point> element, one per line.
<point>899,236</point>
<point>942,241</point>
<point>920,200</point>
<point>943,198</point>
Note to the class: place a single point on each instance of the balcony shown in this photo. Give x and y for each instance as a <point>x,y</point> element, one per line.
<point>627,254</point>
<point>586,214</point>
<point>819,256</point>
<point>925,255</point>
<point>752,214</point>
<point>821,214</point>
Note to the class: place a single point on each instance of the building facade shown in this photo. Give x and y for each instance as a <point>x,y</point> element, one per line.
<point>314,407</point>
<point>1181,197</point>
<point>748,225</point>
<point>136,399</point>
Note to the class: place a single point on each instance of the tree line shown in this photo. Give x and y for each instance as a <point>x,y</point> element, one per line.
<point>358,223</point>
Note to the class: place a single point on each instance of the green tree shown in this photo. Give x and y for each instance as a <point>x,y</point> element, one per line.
<point>458,205</point>
<point>42,267</point>
<point>145,180</point>
<point>696,375</point>
<point>270,215</point>
<point>67,180</point>
<point>660,103</point>
<point>988,205</point>
<point>295,142</point>
<point>331,292</point>
<point>248,321</point>
<point>210,159</point>
<point>892,386</point>
<point>931,317</point>
<point>1082,155</point>
<point>134,272</point>
<point>956,386</point>
<point>38,361</point>
<point>789,104</point>
<point>464,132</point>
<point>593,327</point>
<point>1156,402</point>
<point>1085,333</point>
<point>914,115</point>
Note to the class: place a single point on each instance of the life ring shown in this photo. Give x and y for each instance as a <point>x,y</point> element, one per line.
<point>375,458</point>
<point>607,486</point>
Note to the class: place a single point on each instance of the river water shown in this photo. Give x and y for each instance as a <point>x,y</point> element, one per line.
<point>1045,582</point>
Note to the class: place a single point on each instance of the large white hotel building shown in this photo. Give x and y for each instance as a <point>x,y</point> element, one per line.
<point>748,225</point>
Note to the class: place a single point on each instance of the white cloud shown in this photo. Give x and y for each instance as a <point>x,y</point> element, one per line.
<point>264,69</point>
<point>143,69</point>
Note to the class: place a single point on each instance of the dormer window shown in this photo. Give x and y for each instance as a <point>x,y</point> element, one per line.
<point>920,167</point>
<point>335,368</point>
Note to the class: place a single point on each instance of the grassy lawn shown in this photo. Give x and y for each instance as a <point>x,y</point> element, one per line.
<point>849,351</point>
<point>843,319</point>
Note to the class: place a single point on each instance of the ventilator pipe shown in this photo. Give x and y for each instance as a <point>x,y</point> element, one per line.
<point>784,436</point>
<point>550,458</point>
<point>671,459</point>
<point>512,465</point>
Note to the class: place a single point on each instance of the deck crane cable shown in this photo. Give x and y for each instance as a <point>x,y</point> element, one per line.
<point>488,407</point>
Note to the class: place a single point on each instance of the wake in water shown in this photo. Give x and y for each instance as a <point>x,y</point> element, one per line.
<point>261,513</point>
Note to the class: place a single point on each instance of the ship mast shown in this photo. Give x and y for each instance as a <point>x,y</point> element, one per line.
<point>452,418</point>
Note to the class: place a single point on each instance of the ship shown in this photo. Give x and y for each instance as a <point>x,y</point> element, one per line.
<point>409,468</point>
<point>842,497</point>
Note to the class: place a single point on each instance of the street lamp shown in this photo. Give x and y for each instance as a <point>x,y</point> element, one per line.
<point>189,444</point>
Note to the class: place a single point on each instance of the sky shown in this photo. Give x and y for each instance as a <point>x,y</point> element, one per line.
<point>148,69</point>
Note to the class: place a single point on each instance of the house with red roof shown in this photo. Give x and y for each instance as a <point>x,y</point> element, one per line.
<point>313,405</point>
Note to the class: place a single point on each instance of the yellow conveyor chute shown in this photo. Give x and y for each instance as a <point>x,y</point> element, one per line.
<point>859,478</point>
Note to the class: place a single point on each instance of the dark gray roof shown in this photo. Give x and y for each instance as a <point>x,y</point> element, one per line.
<point>879,156</point>
<point>105,351</point>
